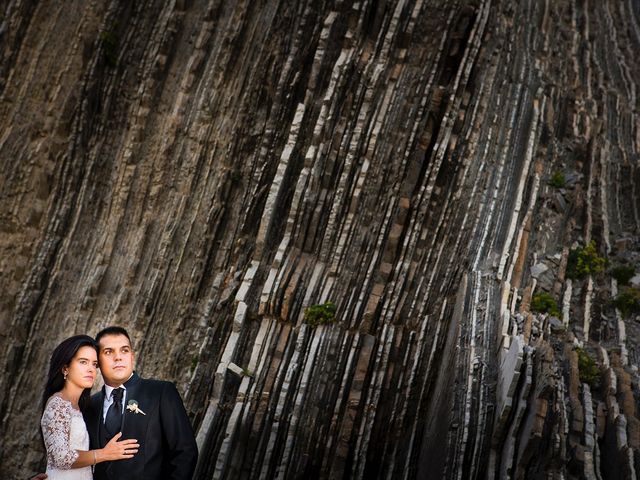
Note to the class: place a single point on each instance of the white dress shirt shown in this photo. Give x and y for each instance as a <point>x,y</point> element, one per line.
<point>108,399</point>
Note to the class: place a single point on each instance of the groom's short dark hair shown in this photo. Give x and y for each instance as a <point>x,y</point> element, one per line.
<point>113,330</point>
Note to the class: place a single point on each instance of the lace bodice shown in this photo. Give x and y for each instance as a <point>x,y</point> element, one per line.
<point>64,433</point>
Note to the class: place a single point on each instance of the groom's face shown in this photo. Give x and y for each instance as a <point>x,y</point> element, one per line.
<point>116,359</point>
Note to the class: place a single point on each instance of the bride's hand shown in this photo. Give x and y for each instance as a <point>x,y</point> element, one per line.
<point>115,450</point>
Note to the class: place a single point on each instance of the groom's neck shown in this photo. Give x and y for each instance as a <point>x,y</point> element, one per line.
<point>117,384</point>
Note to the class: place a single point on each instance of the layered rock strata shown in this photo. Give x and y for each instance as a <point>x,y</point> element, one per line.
<point>203,172</point>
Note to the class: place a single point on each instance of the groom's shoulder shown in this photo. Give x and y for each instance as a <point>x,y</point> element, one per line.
<point>161,389</point>
<point>94,404</point>
<point>155,384</point>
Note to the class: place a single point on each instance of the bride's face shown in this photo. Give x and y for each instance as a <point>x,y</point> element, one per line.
<point>83,368</point>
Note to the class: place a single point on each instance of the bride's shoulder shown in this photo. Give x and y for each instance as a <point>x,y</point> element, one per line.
<point>56,409</point>
<point>56,402</point>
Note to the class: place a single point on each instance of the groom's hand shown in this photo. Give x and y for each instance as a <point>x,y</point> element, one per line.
<point>38,476</point>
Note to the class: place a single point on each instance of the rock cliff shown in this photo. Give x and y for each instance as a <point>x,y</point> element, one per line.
<point>458,178</point>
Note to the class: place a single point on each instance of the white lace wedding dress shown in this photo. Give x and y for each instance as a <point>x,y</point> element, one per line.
<point>64,432</point>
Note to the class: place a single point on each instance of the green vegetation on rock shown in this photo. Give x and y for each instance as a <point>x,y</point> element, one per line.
<point>557,180</point>
<point>584,261</point>
<point>623,273</point>
<point>544,303</point>
<point>628,302</point>
<point>589,371</point>
<point>320,314</point>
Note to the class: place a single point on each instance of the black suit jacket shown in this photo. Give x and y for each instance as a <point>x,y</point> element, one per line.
<point>167,445</point>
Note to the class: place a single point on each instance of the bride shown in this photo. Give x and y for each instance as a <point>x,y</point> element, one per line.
<point>73,368</point>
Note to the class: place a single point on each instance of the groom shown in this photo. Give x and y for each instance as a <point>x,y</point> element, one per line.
<point>150,411</point>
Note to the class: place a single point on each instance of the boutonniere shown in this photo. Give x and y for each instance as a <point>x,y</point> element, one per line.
<point>132,406</point>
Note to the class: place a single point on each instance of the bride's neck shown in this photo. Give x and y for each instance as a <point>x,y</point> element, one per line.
<point>71,393</point>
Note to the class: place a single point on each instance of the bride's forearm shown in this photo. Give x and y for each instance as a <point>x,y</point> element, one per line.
<point>113,450</point>
<point>87,458</point>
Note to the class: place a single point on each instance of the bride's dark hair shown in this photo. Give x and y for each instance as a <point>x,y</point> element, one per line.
<point>60,358</point>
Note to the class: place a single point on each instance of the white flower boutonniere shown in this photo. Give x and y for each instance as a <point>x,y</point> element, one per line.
<point>132,406</point>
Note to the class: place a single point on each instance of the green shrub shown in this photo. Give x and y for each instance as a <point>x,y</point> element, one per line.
<point>584,261</point>
<point>320,314</point>
<point>589,371</point>
<point>557,180</point>
<point>544,303</point>
<point>110,45</point>
<point>623,273</point>
<point>628,302</point>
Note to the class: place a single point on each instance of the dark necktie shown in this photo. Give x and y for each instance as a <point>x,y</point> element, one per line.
<point>113,419</point>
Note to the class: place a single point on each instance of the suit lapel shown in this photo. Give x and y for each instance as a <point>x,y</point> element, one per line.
<point>132,386</point>
<point>99,406</point>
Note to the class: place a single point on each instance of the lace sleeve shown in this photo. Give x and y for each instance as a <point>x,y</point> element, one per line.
<point>56,430</point>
